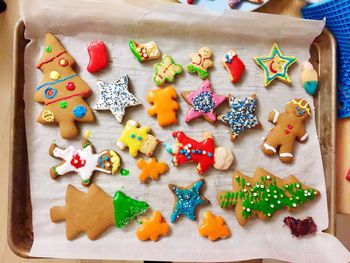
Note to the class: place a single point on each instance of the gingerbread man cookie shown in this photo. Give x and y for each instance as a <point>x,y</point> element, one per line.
<point>213,227</point>
<point>166,70</point>
<point>164,105</point>
<point>234,66</point>
<point>153,228</point>
<point>151,169</point>
<point>289,126</point>
<point>201,62</point>
<point>84,162</point>
<point>137,139</point>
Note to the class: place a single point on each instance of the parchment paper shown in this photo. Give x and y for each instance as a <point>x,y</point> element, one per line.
<point>178,31</point>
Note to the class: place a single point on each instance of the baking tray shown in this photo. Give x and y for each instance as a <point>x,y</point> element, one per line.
<point>19,228</point>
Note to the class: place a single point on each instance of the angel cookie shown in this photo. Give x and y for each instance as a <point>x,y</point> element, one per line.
<point>166,70</point>
<point>201,62</point>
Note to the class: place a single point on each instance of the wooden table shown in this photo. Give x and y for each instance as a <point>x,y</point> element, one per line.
<point>7,22</point>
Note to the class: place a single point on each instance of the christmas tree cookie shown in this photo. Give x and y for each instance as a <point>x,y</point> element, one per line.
<point>264,195</point>
<point>61,91</point>
<point>95,211</point>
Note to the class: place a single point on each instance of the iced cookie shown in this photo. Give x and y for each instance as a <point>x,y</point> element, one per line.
<point>137,139</point>
<point>153,228</point>
<point>116,97</point>
<point>151,170</point>
<point>264,195</point>
<point>61,90</point>
<point>187,199</point>
<point>166,70</point>
<point>213,227</point>
<point>234,3</point>
<point>203,102</point>
<point>186,149</point>
<point>95,211</point>
<point>84,162</point>
<point>241,115</point>
<point>234,66</point>
<point>309,78</point>
<point>289,126</point>
<point>275,66</point>
<point>144,52</point>
<point>164,105</point>
<point>201,62</point>
<point>98,56</point>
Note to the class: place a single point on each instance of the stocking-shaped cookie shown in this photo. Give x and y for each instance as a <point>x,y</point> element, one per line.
<point>61,91</point>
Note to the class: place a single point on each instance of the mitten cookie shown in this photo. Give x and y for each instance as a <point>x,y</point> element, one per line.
<point>289,126</point>
<point>83,162</point>
<point>153,228</point>
<point>61,90</point>
<point>264,195</point>
<point>95,211</point>
<point>166,70</point>
<point>201,62</point>
<point>186,149</point>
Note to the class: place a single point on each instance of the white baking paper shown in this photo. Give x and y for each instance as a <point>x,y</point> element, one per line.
<point>178,31</point>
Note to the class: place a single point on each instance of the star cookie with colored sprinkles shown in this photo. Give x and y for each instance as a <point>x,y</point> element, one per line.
<point>275,65</point>
<point>187,199</point>
<point>203,102</point>
<point>116,97</point>
<point>240,116</point>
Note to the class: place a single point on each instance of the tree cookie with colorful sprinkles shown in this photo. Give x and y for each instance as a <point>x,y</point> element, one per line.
<point>203,102</point>
<point>187,199</point>
<point>187,150</point>
<point>166,70</point>
<point>84,162</point>
<point>61,90</point>
<point>264,195</point>
<point>153,228</point>
<point>241,115</point>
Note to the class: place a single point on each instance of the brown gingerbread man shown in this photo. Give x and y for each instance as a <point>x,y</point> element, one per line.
<point>201,62</point>
<point>289,126</point>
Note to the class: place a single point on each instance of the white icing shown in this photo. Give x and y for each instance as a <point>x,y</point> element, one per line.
<point>269,147</point>
<point>121,145</point>
<point>304,137</point>
<point>286,155</point>
<point>275,118</point>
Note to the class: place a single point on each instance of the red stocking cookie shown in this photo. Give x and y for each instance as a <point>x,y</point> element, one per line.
<point>234,65</point>
<point>98,56</point>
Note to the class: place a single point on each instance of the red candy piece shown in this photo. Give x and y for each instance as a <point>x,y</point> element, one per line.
<point>77,162</point>
<point>300,227</point>
<point>70,85</point>
<point>98,56</point>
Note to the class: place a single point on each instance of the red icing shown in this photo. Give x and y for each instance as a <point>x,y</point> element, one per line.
<point>204,160</point>
<point>271,67</point>
<point>70,85</point>
<point>77,162</point>
<point>290,127</point>
<point>50,59</point>
<point>63,62</point>
<point>98,56</point>
<point>348,175</point>
<point>287,132</point>
<point>236,68</point>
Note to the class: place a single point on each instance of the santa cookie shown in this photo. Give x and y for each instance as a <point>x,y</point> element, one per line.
<point>201,62</point>
<point>289,126</point>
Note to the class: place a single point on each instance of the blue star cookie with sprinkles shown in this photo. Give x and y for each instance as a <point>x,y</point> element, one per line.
<point>241,115</point>
<point>187,199</point>
<point>275,66</point>
<point>116,97</point>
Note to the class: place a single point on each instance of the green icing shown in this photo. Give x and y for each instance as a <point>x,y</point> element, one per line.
<point>201,73</point>
<point>126,209</point>
<point>132,47</point>
<point>63,104</point>
<point>48,49</point>
<point>124,172</point>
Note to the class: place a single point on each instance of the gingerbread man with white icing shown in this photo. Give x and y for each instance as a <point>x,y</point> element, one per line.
<point>289,126</point>
<point>201,62</point>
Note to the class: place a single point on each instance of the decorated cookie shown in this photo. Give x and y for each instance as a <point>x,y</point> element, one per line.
<point>144,52</point>
<point>299,227</point>
<point>164,105</point>
<point>151,169</point>
<point>234,3</point>
<point>61,90</point>
<point>275,66</point>
<point>137,139</point>
<point>186,150</point>
<point>98,56</point>
<point>116,97</point>
<point>83,162</point>
<point>95,211</point>
<point>289,126</point>
<point>201,62</point>
<point>187,199</point>
<point>264,195</point>
<point>347,177</point>
<point>166,70</point>
<point>153,228</point>
<point>234,66</point>
<point>213,227</point>
<point>309,78</point>
<point>241,115</point>
<point>203,102</point>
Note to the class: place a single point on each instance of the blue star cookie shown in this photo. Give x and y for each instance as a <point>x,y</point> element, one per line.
<point>187,199</point>
<point>115,97</point>
<point>275,65</point>
<point>241,115</point>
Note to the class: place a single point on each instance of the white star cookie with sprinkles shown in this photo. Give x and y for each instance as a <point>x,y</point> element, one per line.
<point>241,115</point>
<point>116,97</point>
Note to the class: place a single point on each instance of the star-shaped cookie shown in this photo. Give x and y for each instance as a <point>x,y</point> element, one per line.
<point>203,102</point>
<point>241,115</point>
<point>275,65</point>
<point>115,96</point>
<point>187,199</point>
